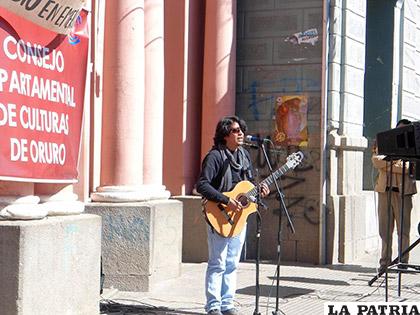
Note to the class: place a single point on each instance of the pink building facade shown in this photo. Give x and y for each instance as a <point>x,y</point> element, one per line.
<point>162,73</point>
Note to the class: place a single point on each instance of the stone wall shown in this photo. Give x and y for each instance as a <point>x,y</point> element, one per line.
<point>410,55</point>
<point>410,77</point>
<point>270,65</point>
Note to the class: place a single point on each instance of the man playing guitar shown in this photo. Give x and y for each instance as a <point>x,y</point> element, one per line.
<point>226,164</point>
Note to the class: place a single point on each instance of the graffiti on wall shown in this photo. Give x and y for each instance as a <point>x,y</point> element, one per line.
<point>277,155</point>
<point>286,103</point>
<point>300,205</point>
<point>296,85</point>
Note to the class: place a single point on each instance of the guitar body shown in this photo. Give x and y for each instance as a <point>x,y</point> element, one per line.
<point>229,223</point>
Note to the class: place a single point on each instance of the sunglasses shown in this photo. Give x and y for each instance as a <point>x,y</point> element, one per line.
<point>235,130</point>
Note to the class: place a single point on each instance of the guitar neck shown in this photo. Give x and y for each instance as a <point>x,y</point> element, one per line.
<point>270,179</point>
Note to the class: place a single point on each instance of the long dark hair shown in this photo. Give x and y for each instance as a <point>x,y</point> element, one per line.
<point>223,129</point>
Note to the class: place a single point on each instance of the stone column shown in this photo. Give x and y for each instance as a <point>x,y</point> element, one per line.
<point>154,95</point>
<point>219,67</point>
<point>174,98</point>
<point>123,104</point>
<point>184,40</point>
<point>141,240</point>
<point>347,213</point>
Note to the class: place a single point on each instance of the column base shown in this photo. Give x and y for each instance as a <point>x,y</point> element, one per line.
<point>21,208</point>
<point>38,207</point>
<point>130,193</point>
<point>346,228</point>
<point>63,207</point>
<point>194,230</point>
<point>62,203</point>
<point>141,243</point>
<point>50,266</point>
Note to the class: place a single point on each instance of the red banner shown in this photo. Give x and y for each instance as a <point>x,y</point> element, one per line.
<point>42,86</point>
<point>56,15</point>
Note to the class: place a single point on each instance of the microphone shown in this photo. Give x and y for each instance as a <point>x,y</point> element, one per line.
<point>256,139</point>
<point>250,145</point>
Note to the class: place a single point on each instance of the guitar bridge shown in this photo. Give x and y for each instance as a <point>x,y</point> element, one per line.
<point>223,210</point>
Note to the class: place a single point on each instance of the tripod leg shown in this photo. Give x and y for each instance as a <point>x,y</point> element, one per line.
<point>394,262</point>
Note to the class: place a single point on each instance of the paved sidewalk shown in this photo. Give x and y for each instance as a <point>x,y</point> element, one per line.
<point>303,289</point>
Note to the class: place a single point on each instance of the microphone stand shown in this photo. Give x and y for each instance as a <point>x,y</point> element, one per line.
<point>258,237</point>
<point>400,235</point>
<point>290,223</point>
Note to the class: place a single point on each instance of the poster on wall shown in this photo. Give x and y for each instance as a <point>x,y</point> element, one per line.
<point>291,120</point>
<point>42,87</point>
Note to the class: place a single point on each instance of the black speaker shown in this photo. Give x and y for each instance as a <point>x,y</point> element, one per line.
<point>417,171</point>
<point>402,142</point>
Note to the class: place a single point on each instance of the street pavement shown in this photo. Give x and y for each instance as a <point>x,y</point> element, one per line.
<point>303,289</point>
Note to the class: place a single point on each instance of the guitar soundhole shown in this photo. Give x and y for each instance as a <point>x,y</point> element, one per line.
<point>243,200</point>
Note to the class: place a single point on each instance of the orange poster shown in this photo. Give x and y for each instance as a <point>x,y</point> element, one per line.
<point>291,120</point>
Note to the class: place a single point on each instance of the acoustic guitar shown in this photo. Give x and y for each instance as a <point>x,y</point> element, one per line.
<point>229,223</point>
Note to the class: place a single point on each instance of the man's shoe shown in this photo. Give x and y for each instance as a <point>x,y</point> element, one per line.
<point>214,312</point>
<point>232,311</point>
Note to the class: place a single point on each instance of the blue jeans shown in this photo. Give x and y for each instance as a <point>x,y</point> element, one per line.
<point>224,255</point>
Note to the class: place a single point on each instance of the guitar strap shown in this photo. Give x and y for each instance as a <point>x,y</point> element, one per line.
<point>222,176</point>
